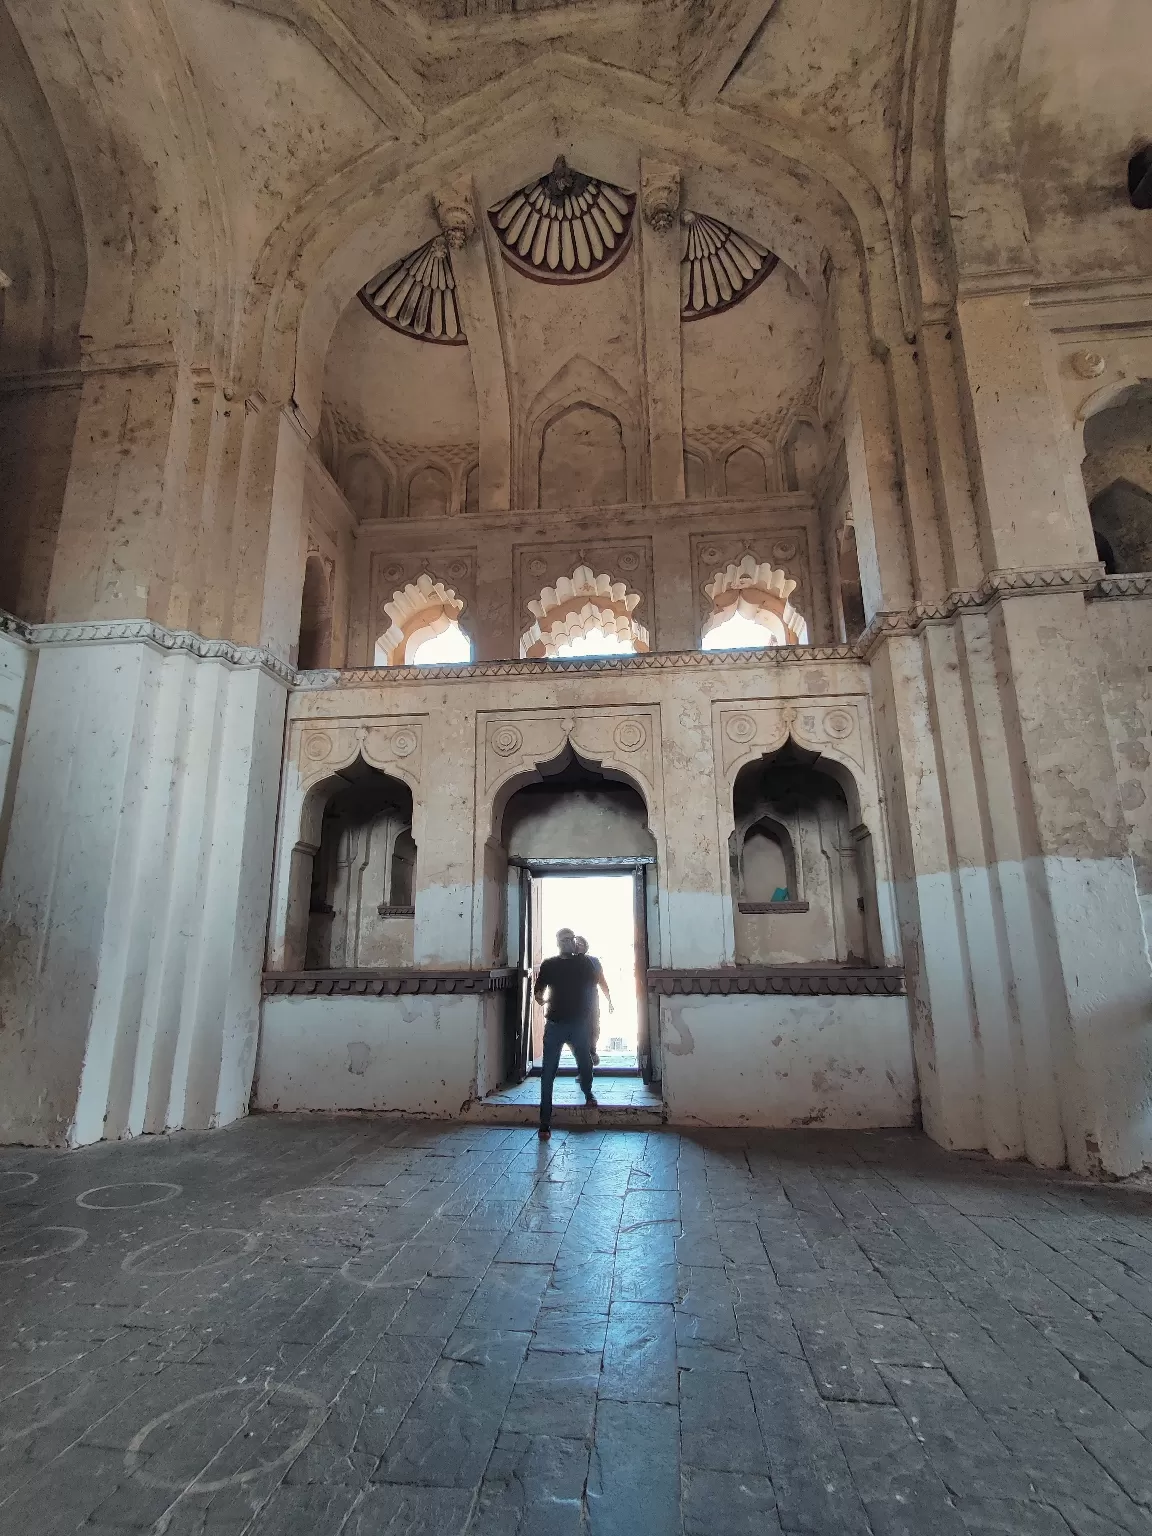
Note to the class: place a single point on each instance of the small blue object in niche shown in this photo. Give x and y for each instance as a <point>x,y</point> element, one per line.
<point>780,894</point>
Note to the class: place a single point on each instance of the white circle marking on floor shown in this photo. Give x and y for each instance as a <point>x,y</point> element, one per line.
<point>79,1238</point>
<point>130,1205</point>
<point>317,1410</point>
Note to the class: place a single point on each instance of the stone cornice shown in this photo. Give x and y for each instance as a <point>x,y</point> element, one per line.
<point>1086,579</point>
<point>649,661</point>
<point>11,625</point>
<point>387,983</point>
<point>1138,584</point>
<point>120,631</point>
<point>779,981</point>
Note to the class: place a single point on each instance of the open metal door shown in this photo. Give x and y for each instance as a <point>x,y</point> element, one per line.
<point>640,928</point>
<point>520,1019</point>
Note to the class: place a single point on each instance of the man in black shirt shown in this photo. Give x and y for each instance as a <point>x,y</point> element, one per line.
<point>570,979</point>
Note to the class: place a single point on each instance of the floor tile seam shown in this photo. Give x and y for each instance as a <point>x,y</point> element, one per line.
<point>1063,1259</point>
<point>1030,1320</point>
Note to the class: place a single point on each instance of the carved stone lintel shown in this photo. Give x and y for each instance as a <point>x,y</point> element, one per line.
<point>780,981</point>
<point>385,983</point>
<point>660,195</point>
<point>455,213</point>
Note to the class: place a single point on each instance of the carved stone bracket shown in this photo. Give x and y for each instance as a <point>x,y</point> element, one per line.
<point>779,981</point>
<point>660,195</point>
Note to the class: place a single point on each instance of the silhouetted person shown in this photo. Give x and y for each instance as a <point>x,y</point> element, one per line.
<point>570,980</point>
<point>594,1019</point>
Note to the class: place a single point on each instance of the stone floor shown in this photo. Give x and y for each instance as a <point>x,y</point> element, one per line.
<point>612,1092</point>
<point>320,1326</point>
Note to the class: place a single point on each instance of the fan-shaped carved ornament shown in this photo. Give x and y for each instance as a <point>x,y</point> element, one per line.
<point>577,605</point>
<point>565,228</point>
<point>719,266</point>
<point>417,295</point>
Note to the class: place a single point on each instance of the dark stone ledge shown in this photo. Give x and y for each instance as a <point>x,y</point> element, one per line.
<point>780,981</point>
<point>385,983</point>
<point>766,908</point>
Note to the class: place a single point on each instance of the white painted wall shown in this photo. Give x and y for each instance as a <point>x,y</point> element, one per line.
<point>411,1054</point>
<point>836,1062</point>
<point>134,894</point>
<point>16,660</point>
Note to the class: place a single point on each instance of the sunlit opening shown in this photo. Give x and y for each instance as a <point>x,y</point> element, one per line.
<point>596,643</point>
<point>738,633</point>
<point>452,644</point>
<point>602,909</point>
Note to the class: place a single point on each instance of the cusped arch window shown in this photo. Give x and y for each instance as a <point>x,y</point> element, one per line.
<point>425,628</point>
<point>584,615</point>
<point>751,608</point>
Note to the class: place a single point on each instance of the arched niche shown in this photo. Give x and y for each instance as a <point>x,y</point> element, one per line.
<point>583,460</point>
<point>314,649</point>
<point>366,484</point>
<point>429,493</point>
<point>796,820</point>
<point>1117,471</point>
<point>802,453</point>
<point>851,591</point>
<point>695,477</point>
<point>766,873</point>
<point>745,473</point>
<point>355,856</point>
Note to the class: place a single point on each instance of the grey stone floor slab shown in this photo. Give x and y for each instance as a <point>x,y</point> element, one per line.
<point>341,1326</point>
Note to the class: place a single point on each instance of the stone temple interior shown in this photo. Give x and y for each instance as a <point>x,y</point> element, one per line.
<point>682,469</point>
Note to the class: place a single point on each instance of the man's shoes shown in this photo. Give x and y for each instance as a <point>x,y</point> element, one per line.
<point>544,1133</point>
<point>590,1102</point>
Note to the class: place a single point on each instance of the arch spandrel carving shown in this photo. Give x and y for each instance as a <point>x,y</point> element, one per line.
<point>515,745</point>
<point>832,728</point>
<point>321,750</point>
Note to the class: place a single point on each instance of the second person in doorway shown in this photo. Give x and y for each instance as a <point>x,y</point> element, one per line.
<point>570,979</point>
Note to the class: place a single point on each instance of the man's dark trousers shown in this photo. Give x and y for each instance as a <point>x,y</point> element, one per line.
<point>557,1034</point>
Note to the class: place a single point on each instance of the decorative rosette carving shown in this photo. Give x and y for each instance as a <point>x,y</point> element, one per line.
<point>417,295</point>
<point>565,228</point>
<point>719,266</point>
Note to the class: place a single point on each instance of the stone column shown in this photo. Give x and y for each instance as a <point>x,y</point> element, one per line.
<point>117,536</point>
<point>459,216</point>
<point>135,887</point>
<point>660,239</point>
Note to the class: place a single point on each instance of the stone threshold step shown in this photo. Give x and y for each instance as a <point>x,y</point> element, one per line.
<point>570,1116</point>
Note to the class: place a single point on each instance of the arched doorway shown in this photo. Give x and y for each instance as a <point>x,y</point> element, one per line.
<point>580,855</point>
